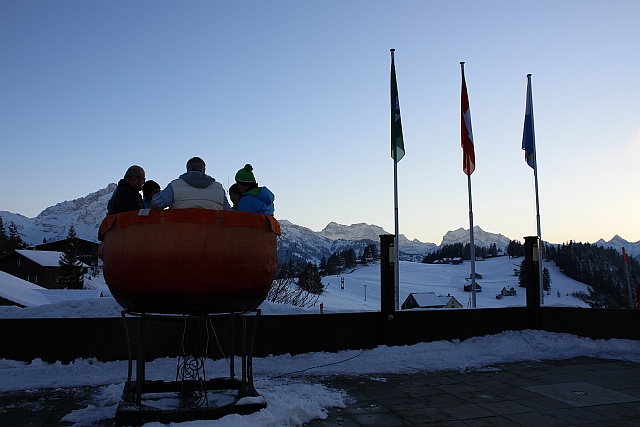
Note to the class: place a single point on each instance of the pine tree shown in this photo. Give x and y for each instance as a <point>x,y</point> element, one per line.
<point>546,279</point>
<point>71,272</point>
<point>323,266</point>
<point>515,249</point>
<point>526,272</point>
<point>375,255</point>
<point>310,279</point>
<point>15,240</point>
<point>4,238</point>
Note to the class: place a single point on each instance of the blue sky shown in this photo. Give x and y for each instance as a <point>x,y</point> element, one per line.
<point>300,89</point>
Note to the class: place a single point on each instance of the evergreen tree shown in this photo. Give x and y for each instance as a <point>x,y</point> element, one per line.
<point>4,238</point>
<point>288,270</point>
<point>15,240</point>
<point>546,279</point>
<point>310,279</point>
<point>323,266</point>
<point>71,272</point>
<point>493,250</point>
<point>525,274</point>
<point>515,249</point>
<point>375,254</point>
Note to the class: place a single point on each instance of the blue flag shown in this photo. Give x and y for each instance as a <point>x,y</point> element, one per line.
<point>528,134</point>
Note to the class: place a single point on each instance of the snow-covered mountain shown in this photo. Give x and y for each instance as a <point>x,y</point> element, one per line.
<point>362,231</point>
<point>618,243</point>
<point>480,238</point>
<point>86,214</point>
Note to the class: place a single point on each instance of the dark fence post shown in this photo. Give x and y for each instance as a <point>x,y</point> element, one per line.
<point>387,276</point>
<point>531,279</point>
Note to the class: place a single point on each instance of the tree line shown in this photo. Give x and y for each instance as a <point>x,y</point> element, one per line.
<point>602,269</point>
<point>308,276</point>
<point>459,250</point>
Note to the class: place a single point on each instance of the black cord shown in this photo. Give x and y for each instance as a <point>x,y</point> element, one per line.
<point>319,366</point>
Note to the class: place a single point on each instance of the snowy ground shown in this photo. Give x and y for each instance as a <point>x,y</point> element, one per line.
<point>289,383</point>
<point>361,290</point>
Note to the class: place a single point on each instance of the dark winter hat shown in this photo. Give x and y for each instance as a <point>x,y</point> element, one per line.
<point>245,175</point>
<point>149,187</point>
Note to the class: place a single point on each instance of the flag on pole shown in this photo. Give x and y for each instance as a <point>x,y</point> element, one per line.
<point>528,135</point>
<point>468,154</point>
<point>397,142</point>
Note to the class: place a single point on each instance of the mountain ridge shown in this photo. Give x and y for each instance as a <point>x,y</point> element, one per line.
<point>86,214</point>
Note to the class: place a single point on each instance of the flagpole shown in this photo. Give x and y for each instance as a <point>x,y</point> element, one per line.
<point>473,247</point>
<point>397,152</point>
<point>396,251</point>
<point>626,272</point>
<point>468,169</point>
<point>535,177</point>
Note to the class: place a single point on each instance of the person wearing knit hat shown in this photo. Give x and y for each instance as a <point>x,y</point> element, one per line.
<point>254,198</point>
<point>245,175</point>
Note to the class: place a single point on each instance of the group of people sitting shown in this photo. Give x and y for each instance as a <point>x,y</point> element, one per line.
<point>193,189</point>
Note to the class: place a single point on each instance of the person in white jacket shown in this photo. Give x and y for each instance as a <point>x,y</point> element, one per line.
<point>193,189</point>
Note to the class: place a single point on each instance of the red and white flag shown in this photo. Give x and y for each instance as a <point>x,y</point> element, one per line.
<point>468,154</point>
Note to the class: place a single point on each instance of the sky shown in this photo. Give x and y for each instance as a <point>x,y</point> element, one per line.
<point>290,384</point>
<point>300,90</point>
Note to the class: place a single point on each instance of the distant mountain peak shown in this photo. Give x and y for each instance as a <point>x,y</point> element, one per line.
<point>359,231</point>
<point>86,215</point>
<point>480,238</point>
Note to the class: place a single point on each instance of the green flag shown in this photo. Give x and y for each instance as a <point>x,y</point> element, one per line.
<point>397,143</point>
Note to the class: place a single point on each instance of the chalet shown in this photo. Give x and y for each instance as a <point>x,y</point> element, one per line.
<point>429,300</point>
<point>87,250</point>
<point>511,292</point>
<point>39,267</point>
<point>467,288</point>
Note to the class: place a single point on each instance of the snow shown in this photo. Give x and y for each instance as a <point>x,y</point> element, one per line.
<point>289,383</point>
<point>43,258</point>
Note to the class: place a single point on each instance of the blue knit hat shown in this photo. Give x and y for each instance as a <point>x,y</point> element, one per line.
<point>245,175</point>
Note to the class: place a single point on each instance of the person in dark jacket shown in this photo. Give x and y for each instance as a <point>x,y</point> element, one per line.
<point>127,195</point>
<point>149,189</point>
<point>235,195</point>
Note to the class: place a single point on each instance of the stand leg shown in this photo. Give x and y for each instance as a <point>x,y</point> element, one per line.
<point>140,361</point>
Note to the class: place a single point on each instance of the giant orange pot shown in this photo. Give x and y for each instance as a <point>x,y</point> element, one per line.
<point>189,261</point>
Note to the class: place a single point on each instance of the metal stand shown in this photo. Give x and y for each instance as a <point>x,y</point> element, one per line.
<point>191,396</point>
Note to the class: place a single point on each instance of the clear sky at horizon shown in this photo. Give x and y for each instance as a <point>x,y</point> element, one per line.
<point>301,91</point>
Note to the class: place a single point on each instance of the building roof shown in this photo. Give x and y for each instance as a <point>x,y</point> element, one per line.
<point>28,294</point>
<point>21,292</point>
<point>429,299</point>
<point>44,258</point>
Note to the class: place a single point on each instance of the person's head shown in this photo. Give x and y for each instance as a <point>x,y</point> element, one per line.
<point>196,164</point>
<point>150,188</point>
<point>245,178</point>
<point>235,194</point>
<point>135,176</point>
